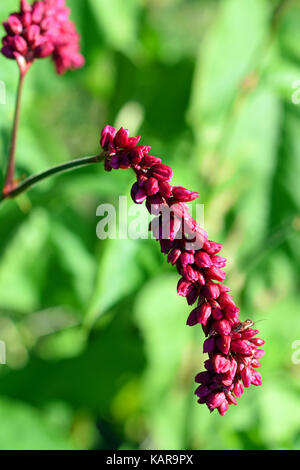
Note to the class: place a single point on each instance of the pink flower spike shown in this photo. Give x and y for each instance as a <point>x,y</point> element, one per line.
<point>57,35</point>
<point>232,345</point>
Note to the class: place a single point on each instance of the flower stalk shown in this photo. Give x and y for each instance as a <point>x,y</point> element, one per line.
<point>9,180</point>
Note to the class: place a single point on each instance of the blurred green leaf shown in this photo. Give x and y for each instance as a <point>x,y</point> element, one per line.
<point>18,419</point>
<point>120,30</point>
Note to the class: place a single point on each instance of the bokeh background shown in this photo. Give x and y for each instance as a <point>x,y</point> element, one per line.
<point>98,354</point>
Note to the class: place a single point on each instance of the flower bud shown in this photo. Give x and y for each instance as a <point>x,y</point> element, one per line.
<point>241,347</point>
<point>204,312</point>
<point>202,260</point>
<point>216,274</point>
<point>183,194</point>
<point>37,12</point>
<point>121,138</point>
<point>161,172</point>
<point>107,136</point>
<point>15,25</point>
<point>138,194</point>
<point>174,255</point>
<point>215,400</point>
<point>148,161</point>
<point>151,186</point>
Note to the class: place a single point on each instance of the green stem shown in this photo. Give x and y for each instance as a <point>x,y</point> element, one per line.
<point>33,180</point>
<point>9,180</point>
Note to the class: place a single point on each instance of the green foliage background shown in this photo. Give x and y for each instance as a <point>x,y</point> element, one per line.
<point>98,354</point>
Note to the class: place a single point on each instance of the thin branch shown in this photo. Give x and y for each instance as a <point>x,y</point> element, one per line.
<point>33,180</point>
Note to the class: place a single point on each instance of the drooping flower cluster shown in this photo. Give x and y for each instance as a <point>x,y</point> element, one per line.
<point>42,30</point>
<point>231,344</point>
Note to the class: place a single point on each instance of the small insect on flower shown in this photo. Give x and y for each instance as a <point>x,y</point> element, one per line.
<point>244,325</point>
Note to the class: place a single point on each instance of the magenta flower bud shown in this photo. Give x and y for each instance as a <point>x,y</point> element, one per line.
<point>166,246</point>
<point>189,273</point>
<point>201,279</point>
<point>151,186</point>
<point>224,289</point>
<point>241,347</point>
<point>217,313</point>
<point>132,142</point>
<point>24,6</point>
<point>44,50</point>
<point>222,327</point>
<point>183,287</point>
<point>204,312</point>
<point>38,9</point>
<point>231,398</point>
<point>124,161</point>
<point>202,259</point>
<point>257,341</point>
<point>215,400</point>
<point>8,52</point>
<point>165,189</point>
<point>107,165</point>
<point>121,138</point>
<point>138,194</point>
<point>259,353</point>
<point>155,204</point>
<point>249,333</point>
<point>238,389</point>
<point>215,274</point>
<point>192,295</point>
<point>187,258</point>
<point>19,44</point>
<point>107,136</point>
<point>246,376</point>
<point>225,300</point>
<point>223,343</point>
<point>174,255</point>
<point>209,345</point>
<point>32,33</point>
<point>223,408</point>
<point>183,194</point>
<point>26,19</point>
<point>192,318</point>
<point>256,378</point>
<point>15,24</point>
<point>221,364</point>
<point>7,28</point>
<point>211,290</point>
<point>148,161</point>
<point>203,378</point>
<point>232,315</point>
<point>115,162</point>
<point>161,172</point>
<point>136,155</point>
<point>211,247</point>
<point>255,363</point>
<point>202,391</point>
<point>145,149</point>
<point>218,261</point>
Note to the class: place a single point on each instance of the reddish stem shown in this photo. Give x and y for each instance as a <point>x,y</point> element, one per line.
<point>9,180</point>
